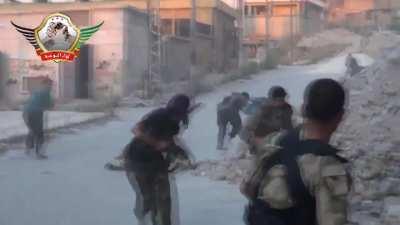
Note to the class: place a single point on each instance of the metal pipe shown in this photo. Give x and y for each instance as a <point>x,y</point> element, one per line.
<point>193,45</point>
<point>291,31</point>
<point>241,29</point>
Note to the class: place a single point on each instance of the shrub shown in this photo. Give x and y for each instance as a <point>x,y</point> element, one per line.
<point>271,60</point>
<point>395,26</point>
<point>199,85</point>
<point>249,69</point>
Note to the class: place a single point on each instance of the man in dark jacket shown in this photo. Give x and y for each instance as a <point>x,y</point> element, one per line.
<point>33,116</point>
<point>228,112</point>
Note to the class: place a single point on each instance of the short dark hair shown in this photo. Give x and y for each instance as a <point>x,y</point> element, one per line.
<point>277,92</point>
<point>179,102</point>
<point>179,106</point>
<point>323,100</point>
<point>246,95</point>
<point>160,125</point>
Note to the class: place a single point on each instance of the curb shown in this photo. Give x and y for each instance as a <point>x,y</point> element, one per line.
<point>19,138</point>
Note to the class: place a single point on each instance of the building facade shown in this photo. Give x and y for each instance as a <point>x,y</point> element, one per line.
<point>216,41</point>
<point>276,20</point>
<point>112,62</point>
<point>363,14</point>
<point>115,60</point>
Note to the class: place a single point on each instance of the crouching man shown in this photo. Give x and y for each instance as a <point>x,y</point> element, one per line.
<point>150,158</point>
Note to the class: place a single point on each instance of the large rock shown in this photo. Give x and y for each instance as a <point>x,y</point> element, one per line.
<point>372,168</point>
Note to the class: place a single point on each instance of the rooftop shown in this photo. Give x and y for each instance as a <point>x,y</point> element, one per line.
<point>14,8</point>
<point>321,3</point>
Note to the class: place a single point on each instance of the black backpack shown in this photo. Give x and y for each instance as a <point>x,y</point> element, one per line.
<point>303,212</point>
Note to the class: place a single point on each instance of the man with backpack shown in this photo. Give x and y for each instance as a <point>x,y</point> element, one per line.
<point>300,180</point>
<point>228,112</point>
<point>273,115</point>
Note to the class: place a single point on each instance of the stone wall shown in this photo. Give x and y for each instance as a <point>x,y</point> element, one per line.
<point>176,57</point>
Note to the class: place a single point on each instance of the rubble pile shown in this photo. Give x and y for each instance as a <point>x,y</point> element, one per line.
<point>370,138</point>
<point>379,42</point>
<point>136,100</point>
<point>333,42</point>
<point>232,168</point>
<point>331,37</point>
<point>325,44</point>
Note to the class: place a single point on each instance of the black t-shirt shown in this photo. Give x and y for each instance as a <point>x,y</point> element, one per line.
<point>160,124</point>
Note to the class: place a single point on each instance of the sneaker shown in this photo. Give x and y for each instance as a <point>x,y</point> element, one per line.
<point>27,151</point>
<point>41,156</point>
<point>221,148</point>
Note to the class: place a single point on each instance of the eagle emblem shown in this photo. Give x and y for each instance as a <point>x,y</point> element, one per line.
<point>57,38</point>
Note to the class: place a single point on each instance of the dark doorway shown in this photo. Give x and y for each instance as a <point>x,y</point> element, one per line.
<point>83,72</point>
<point>3,73</point>
<point>67,80</point>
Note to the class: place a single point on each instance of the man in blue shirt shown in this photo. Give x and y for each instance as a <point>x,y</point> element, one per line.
<point>34,108</point>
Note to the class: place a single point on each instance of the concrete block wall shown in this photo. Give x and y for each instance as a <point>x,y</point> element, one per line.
<point>107,53</point>
<point>135,50</point>
<point>176,65</point>
<point>225,42</point>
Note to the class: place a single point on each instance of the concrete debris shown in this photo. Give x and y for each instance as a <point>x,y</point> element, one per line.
<point>374,45</point>
<point>369,136</point>
<point>379,43</point>
<point>331,37</point>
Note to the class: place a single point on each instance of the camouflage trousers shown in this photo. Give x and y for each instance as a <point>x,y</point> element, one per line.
<point>153,196</point>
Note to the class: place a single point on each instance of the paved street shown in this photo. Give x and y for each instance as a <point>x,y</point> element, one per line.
<point>73,188</point>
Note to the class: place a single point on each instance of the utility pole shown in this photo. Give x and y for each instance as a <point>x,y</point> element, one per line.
<point>193,57</point>
<point>241,29</point>
<point>267,32</point>
<point>291,31</point>
<point>154,47</point>
<point>146,77</point>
